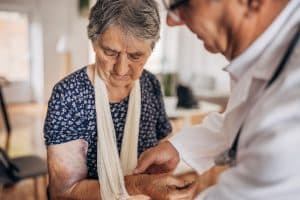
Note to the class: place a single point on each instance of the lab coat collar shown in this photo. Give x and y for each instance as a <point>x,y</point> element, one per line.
<point>265,66</point>
<point>269,43</point>
<point>262,58</point>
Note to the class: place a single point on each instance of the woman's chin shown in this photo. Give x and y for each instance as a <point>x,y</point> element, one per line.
<point>120,83</point>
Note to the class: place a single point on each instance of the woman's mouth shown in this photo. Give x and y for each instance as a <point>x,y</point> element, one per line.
<point>120,77</point>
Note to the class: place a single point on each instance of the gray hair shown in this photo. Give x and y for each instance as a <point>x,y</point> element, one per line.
<point>138,17</point>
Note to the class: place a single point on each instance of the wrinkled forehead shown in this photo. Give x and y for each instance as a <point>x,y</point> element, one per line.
<point>118,38</point>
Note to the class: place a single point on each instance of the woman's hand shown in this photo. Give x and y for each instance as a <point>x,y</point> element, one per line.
<point>161,186</point>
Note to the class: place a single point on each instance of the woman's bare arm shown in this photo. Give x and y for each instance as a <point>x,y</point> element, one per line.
<point>68,172</point>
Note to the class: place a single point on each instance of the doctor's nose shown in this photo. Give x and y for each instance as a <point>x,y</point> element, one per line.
<point>173,19</point>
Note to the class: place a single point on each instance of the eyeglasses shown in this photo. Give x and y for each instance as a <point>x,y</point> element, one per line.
<point>172,6</point>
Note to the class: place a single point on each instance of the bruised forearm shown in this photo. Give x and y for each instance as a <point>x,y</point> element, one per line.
<point>90,189</point>
<point>82,190</point>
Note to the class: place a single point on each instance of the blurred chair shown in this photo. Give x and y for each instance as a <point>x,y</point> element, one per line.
<point>13,170</point>
<point>186,97</point>
<point>5,82</point>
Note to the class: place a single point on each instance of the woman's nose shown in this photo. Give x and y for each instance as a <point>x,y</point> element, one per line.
<point>121,66</point>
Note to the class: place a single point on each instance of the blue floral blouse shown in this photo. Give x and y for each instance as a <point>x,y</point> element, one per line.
<point>71,115</point>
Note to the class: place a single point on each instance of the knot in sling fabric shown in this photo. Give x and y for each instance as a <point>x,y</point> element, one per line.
<point>112,168</point>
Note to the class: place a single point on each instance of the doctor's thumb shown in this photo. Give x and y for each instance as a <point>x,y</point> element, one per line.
<point>145,161</point>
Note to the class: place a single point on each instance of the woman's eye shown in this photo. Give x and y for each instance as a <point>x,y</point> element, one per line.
<point>110,53</point>
<point>134,57</point>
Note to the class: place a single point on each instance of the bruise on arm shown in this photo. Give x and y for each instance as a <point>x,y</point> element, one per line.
<point>68,172</point>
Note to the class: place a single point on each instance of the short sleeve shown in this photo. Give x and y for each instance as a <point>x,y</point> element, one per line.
<point>62,123</point>
<point>163,127</point>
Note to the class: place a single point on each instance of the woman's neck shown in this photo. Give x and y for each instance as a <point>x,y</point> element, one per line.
<point>117,94</point>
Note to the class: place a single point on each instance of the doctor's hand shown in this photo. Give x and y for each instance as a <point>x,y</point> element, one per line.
<point>160,159</point>
<point>161,186</point>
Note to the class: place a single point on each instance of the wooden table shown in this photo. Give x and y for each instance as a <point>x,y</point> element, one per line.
<point>187,114</point>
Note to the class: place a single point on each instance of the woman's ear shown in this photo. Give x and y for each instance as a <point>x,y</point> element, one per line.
<point>94,45</point>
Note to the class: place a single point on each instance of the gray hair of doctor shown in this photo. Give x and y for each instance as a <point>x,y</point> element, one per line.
<point>138,17</point>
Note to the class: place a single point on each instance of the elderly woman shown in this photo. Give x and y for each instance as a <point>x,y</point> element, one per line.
<point>103,116</point>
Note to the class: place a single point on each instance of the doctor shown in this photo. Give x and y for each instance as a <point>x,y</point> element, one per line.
<point>259,133</point>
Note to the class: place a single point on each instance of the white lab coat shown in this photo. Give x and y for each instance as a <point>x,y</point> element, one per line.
<point>268,164</point>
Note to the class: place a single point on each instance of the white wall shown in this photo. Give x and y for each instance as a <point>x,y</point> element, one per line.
<point>17,92</point>
<point>49,21</point>
<point>61,18</point>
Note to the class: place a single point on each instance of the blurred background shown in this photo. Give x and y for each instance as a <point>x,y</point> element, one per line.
<point>42,41</point>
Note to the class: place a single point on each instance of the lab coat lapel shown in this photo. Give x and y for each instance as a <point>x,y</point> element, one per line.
<point>239,94</point>
<point>273,54</point>
<point>238,106</point>
<point>247,90</point>
<point>259,72</point>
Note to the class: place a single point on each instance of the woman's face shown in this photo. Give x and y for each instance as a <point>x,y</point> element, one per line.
<point>120,57</point>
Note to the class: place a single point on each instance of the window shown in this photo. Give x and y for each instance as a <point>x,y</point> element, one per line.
<point>14,46</point>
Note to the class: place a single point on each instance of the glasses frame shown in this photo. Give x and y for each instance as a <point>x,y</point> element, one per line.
<point>177,4</point>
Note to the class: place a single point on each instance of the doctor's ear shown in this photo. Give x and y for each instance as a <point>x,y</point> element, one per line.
<point>252,5</point>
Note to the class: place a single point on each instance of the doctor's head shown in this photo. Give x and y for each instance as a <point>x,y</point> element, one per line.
<point>225,26</point>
